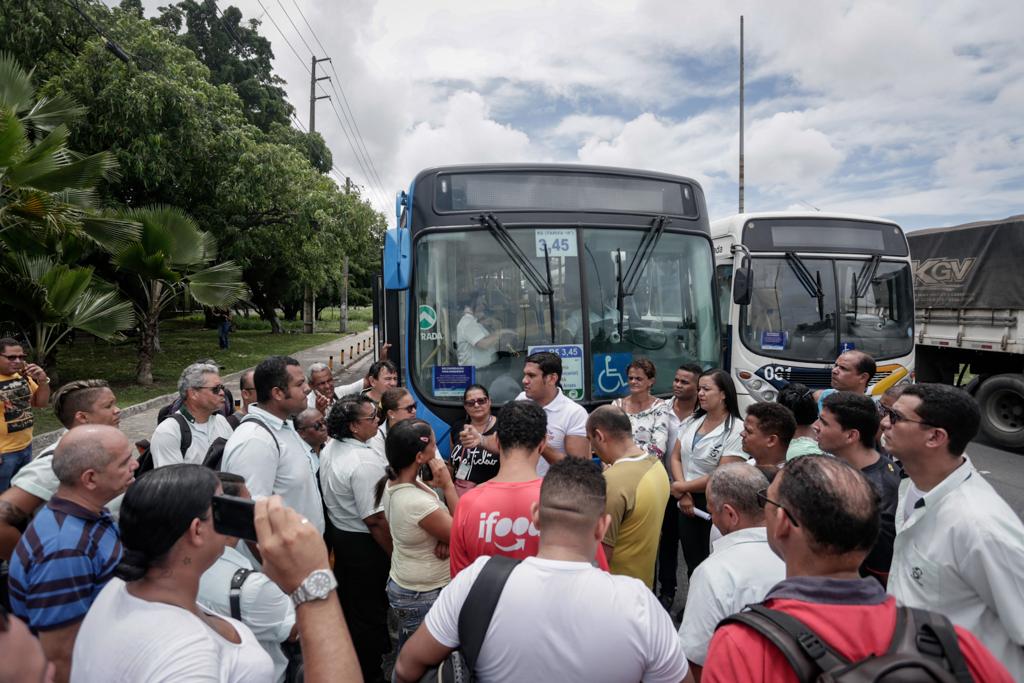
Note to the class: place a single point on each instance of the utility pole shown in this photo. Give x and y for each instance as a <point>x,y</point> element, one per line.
<point>308,306</point>
<point>741,114</point>
<point>343,310</point>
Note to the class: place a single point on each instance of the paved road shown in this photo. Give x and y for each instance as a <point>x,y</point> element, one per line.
<point>1003,469</point>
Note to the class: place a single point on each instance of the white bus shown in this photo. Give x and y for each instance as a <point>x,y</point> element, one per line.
<point>798,288</point>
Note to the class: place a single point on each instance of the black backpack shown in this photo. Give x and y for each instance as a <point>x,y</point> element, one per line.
<point>146,459</point>
<point>923,648</point>
<point>295,673</point>
<point>215,453</point>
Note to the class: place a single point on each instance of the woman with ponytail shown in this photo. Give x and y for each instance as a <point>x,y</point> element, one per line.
<point>145,625</point>
<point>418,520</point>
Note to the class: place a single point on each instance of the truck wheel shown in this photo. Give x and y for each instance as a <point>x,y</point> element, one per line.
<point>1001,399</point>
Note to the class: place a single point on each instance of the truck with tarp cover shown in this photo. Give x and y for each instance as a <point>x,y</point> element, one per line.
<point>969,294</point>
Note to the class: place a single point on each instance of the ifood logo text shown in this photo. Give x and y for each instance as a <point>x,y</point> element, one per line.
<point>493,527</point>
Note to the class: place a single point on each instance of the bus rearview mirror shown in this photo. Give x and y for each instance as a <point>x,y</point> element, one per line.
<point>742,284</point>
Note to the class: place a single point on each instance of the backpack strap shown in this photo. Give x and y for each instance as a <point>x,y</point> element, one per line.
<point>185,431</point>
<point>477,610</point>
<point>932,635</point>
<point>806,653</point>
<point>235,593</point>
<point>255,420</point>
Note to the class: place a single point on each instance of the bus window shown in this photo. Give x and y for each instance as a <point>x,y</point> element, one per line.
<point>723,275</point>
<point>660,319</point>
<point>476,309</point>
<point>880,323</point>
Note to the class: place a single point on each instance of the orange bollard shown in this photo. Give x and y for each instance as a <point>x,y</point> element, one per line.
<point>330,363</point>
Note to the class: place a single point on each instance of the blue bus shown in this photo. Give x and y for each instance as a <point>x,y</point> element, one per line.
<point>490,263</point>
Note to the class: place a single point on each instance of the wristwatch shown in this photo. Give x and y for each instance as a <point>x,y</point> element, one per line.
<point>317,586</point>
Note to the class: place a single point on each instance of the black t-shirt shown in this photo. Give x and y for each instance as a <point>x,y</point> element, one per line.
<point>884,475</point>
<point>473,464</point>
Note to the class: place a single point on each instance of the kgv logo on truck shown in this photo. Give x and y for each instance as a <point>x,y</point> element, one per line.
<point>942,271</point>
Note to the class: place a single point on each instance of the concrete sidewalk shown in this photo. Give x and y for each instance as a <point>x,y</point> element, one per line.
<point>139,421</point>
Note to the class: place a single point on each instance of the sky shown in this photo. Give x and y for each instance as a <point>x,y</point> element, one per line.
<point>909,110</point>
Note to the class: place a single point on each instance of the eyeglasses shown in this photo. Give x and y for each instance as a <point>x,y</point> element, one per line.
<point>318,425</point>
<point>763,499</point>
<point>218,389</point>
<point>411,408</point>
<point>15,357</point>
<point>368,417</point>
<point>472,402</point>
<point>895,418</point>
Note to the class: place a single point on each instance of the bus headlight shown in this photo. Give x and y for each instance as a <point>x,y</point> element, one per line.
<point>759,389</point>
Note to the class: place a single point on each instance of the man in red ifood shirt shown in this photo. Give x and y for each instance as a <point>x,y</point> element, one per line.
<point>495,518</point>
<point>822,518</point>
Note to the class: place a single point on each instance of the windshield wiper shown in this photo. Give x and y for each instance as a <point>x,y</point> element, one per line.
<point>627,283</point>
<point>536,280</point>
<point>863,279</point>
<point>812,285</point>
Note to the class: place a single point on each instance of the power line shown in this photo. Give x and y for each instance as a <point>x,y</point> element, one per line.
<point>338,88</point>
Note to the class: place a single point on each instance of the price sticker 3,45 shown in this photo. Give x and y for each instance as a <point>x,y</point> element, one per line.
<point>558,242</point>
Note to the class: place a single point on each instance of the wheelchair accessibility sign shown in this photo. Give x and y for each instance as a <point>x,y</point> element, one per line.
<point>610,374</point>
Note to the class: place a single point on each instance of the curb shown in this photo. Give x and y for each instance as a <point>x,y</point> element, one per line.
<point>44,440</point>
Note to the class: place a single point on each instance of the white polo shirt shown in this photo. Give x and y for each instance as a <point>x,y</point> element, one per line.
<point>339,392</point>
<point>348,476</point>
<point>960,552</point>
<point>165,443</point>
<point>565,418</point>
<point>569,617</point>
<point>264,607</point>
<point>251,453</point>
<point>674,424</point>
<point>467,334</point>
<point>741,571</point>
<point>702,459</point>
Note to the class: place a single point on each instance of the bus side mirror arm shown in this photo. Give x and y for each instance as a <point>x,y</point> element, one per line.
<point>742,278</point>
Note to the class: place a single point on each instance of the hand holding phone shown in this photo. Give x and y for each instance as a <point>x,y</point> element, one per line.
<point>234,516</point>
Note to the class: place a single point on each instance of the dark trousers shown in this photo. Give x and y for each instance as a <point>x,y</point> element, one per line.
<point>224,329</point>
<point>694,535</point>
<point>668,553</point>
<point>361,567</point>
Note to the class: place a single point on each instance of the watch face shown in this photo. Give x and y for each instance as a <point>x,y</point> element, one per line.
<point>319,583</point>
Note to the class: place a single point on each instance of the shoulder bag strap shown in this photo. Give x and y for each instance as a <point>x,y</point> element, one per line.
<point>477,610</point>
<point>235,594</point>
<point>186,433</point>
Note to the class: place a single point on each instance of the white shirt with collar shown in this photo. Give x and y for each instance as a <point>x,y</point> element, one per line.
<point>674,425</point>
<point>165,443</point>
<point>339,392</point>
<point>349,476</point>
<point>251,453</point>
<point>468,332</point>
<point>960,552</point>
<point>741,571</point>
<point>264,607</point>
<point>702,459</point>
<point>565,418</point>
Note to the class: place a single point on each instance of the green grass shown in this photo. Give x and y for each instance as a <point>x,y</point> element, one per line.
<point>183,341</point>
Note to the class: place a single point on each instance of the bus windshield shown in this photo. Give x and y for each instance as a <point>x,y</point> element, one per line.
<point>479,313</point>
<point>798,318</point>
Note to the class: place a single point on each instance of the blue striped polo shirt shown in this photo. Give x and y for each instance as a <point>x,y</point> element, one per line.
<point>64,559</point>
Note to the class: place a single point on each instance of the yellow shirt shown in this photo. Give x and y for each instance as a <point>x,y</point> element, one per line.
<point>16,422</point>
<point>638,490</point>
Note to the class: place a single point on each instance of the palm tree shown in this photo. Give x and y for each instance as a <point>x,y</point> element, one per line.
<point>172,256</point>
<point>47,191</point>
<point>58,298</point>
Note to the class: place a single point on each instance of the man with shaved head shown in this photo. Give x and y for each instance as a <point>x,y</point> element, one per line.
<point>557,611</point>
<point>637,493</point>
<point>70,550</point>
<point>822,518</point>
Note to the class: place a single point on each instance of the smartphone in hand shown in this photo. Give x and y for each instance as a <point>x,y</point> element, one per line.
<point>234,516</point>
<point>426,474</point>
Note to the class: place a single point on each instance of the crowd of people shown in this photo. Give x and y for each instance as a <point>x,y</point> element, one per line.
<point>815,519</point>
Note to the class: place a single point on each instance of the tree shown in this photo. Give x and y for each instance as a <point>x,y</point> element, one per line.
<point>172,257</point>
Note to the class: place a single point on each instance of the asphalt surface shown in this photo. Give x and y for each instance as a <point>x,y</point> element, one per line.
<point>1003,469</point>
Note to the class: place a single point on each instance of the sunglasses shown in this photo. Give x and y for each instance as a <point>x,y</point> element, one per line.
<point>472,402</point>
<point>411,408</point>
<point>896,418</point>
<point>15,357</point>
<point>218,389</point>
<point>763,499</point>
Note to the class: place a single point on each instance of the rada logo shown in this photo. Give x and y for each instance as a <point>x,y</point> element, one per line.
<point>428,318</point>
